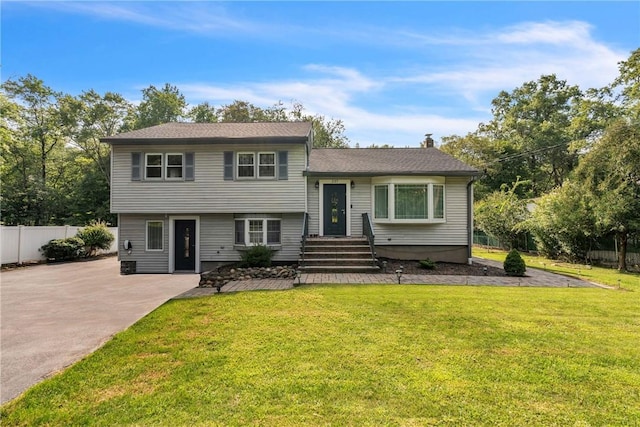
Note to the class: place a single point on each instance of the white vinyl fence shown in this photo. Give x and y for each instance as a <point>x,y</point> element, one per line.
<point>22,243</point>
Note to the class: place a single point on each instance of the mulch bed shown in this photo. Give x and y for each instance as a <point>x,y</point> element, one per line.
<point>442,268</point>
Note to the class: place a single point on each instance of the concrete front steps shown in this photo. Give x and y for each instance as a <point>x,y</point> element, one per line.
<point>337,255</point>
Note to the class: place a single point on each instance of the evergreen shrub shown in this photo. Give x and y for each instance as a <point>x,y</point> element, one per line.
<point>257,256</point>
<point>514,265</point>
<point>64,249</point>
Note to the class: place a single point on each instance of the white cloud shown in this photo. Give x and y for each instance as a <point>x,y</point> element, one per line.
<point>506,59</point>
<point>197,17</point>
<point>478,65</point>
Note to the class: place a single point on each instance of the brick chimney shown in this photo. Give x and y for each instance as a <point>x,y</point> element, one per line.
<point>428,141</point>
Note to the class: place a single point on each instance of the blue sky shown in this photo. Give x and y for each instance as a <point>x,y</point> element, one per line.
<point>392,71</point>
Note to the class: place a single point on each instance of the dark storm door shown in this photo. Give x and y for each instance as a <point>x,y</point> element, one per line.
<point>335,209</point>
<point>185,244</point>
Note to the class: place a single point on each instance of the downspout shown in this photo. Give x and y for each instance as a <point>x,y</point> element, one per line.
<point>470,219</point>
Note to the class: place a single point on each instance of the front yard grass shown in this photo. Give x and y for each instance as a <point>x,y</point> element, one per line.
<point>606,276</point>
<point>360,355</point>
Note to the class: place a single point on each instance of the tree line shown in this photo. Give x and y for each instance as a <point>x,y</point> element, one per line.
<point>54,169</point>
<point>573,155</point>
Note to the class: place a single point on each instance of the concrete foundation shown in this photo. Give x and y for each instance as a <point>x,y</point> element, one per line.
<point>456,254</point>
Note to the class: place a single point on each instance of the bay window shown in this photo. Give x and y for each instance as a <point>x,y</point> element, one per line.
<point>408,200</point>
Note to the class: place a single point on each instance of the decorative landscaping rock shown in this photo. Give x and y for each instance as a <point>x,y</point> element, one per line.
<point>217,278</point>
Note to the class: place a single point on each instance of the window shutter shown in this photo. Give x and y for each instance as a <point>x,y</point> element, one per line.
<point>283,165</point>
<point>136,159</point>
<point>189,166</point>
<point>228,165</point>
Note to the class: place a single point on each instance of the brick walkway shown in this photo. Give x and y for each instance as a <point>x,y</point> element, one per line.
<point>535,278</point>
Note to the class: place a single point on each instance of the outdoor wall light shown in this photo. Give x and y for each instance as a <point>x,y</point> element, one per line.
<point>353,184</point>
<point>317,185</point>
<point>484,270</point>
<point>399,274</point>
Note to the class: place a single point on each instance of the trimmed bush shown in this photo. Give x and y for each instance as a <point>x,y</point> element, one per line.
<point>427,264</point>
<point>514,264</point>
<point>64,249</point>
<point>96,236</point>
<point>257,256</point>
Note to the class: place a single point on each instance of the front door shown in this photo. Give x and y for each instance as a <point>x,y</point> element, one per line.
<point>335,210</point>
<point>185,244</point>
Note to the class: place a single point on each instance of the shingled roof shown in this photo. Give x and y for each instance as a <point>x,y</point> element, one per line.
<point>212,132</point>
<point>385,161</point>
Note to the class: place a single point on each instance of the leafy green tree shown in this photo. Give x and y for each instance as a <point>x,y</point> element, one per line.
<point>498,160</point>
<point>328,133</point>
<point>203,113</point>
<point>628,84</point>
<point>502,215</point>
<point>92,116</point>
<point>36,135</point>
<point>563,224</point>
<point>610,174</point>
<point>536,118</point>
<point>242,112</point>
<point>159,106</point>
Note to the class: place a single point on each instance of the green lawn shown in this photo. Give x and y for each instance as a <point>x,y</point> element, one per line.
<point>361,355</point>
<point>605,276</point>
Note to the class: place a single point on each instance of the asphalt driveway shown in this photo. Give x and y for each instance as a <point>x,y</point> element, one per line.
<point>53,315</point>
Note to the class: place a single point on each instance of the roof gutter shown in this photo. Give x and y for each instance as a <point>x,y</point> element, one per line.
<point>382,173</point>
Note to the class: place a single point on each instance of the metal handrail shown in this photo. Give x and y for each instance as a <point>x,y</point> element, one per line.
<point>305,233</point>
<point>367,231</point>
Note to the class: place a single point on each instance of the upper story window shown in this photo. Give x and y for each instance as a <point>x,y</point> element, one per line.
<point>162,166</point>
<point>256,165</point>
<point>174,166</point>
<point>246,165</point>
<point>260,165</point>
<point>409,200</point>
<point>153,166</point>
<point>266,165</point>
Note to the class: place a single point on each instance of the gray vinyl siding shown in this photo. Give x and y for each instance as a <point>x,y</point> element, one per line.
<point>217,237</point>
<point>208,192</point>
<point>452,232</point>
<point>133,228</point>
<point>360,203</point>
<point>313,207</point>
<point>291,229</point>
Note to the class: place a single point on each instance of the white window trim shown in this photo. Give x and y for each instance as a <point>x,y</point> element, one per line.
<point>247,241</point>
<point>391,182</point>
<point>258,164</point>
<point>166,166</point>
<point>172,248</point>
<point>146,165</point>
<point>146,236</point>
<point>238,165</point>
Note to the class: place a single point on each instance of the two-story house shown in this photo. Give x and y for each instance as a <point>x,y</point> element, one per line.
<point>193,196</point>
